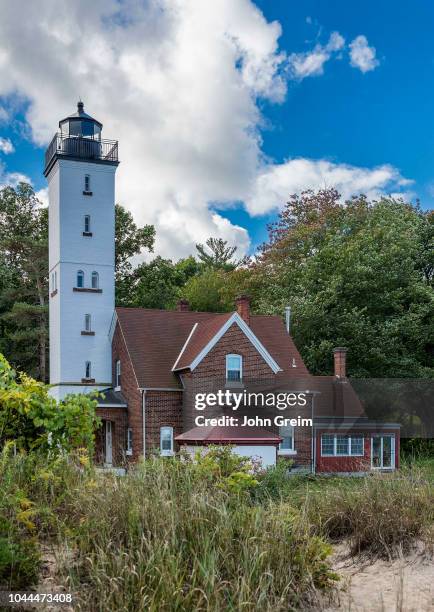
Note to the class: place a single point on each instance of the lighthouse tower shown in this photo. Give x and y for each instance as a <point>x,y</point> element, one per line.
<point>80,168</point>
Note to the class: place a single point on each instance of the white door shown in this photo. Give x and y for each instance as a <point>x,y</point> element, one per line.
<point>383,452</point>
<point>108,443</point>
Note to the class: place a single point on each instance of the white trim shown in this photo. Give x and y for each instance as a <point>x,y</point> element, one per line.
<point>183,348</point>
<point>241,366</point>
<point>335,445</point>
<point>235,318</point>
<point>112,406</point>
<point>118,374</point>
<point>392,451</point>
<point>112,327</point>
<point>166,453</point>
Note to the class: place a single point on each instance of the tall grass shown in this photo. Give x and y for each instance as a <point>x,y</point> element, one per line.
<point>382,514</point>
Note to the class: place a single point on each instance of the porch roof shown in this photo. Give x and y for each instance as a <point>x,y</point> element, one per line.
<point>229,435</point>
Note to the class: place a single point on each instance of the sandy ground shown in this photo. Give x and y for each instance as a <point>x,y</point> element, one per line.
<point>405,584</point>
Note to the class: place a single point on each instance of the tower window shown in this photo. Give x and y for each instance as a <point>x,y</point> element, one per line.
<point>234,366</point>
<point>80,279</point>
<point>118,374</point>
<point>95,280</point>
<point>87,224</point>
<point>54,281</point>
<point>166,441</point>
<point>88,370</point>
<point>87,323</point>
<point>87,182</point>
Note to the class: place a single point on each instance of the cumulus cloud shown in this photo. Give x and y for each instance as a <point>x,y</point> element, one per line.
<point>311,63</point>
<point>11,178</point>
<point>6,146</point>
<point>277,182</point>
<point>362,56</point>
<point>179,83</point>
<point>176,81</point>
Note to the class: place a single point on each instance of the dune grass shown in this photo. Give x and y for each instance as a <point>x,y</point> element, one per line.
<point>173,535</point>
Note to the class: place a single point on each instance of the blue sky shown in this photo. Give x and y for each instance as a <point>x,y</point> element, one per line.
<point>378,118</point>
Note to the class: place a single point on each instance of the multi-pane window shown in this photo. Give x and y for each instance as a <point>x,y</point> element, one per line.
<point>118,374</point>
<point>287,435</point>
<point>327,445</point>
<point>166,440</point>
<point>341,445</point>
<point>80,279</point>
<point>87,182</point>
<point>87,224</point>
<point>129,441</point>
<point>234,366</point>
<point>88,370</point>
<point>95,280</point>
<point>87,323</point>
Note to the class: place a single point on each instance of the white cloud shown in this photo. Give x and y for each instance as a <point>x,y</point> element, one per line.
<point>11,178</point>
<point>362,56</point>
<point>311,63</point>
<point>176,81</point>
<point>6,146</point>
<point>276,183</point>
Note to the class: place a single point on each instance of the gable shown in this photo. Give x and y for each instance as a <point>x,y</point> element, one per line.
<point>203,343</point>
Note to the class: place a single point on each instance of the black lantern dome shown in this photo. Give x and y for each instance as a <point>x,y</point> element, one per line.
<point>80,124</point>
<point>80,139</point>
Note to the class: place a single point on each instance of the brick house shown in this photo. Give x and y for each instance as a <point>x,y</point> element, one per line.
<point>151,366</point>
<point>162,360</point>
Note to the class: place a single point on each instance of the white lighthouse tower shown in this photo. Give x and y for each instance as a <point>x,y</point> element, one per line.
<point>80,168</point>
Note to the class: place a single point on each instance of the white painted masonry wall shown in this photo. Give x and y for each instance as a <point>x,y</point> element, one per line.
<point>266,454</point>
<point>70,251</point>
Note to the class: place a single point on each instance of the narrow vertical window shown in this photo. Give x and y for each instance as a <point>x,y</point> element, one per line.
<point>234,367</point>
<point>166,441</point>
<point>55,280</point>
<point>88,370</point>
<point>287,435</point>
<point>129,441</point>
<point>87,182</point>
<point>118,374</point>
<point>80,279</point>
<point>87,323</point>
<point>95,280</point>
<point>87,224</point>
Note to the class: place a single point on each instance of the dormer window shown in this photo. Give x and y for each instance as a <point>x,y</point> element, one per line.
<point>118,375</point>
<point>80,279</point>
<point>234,368</point>
<point>95,280</point>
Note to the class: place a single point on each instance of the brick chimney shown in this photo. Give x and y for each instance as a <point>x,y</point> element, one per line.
<point>243,307</point>
<point>340,355</point>
<point>183,305</point>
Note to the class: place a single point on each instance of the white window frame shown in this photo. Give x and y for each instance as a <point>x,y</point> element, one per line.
<point>129,450</point>
<point>166,452</point>
<point>87,322</point>
<point>118,379</point>
<point>80,274</point>
<point>349,453</point>
<point>287,451</point>
<point>94,275</point>
<point>232,355</point>
<point>88,366</point>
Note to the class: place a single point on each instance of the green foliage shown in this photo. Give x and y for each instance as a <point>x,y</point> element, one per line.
<point>357,275</point>
<point>217,255</point>
<point>220,466</point>
<point>130,240</point>
<point>24,286</point>
<point>157,284</point>
<point>31,418</point>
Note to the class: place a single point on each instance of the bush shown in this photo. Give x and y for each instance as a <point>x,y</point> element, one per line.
<point>382,514</point>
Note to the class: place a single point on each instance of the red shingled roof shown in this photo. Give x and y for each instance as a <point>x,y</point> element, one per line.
<point>155,338</point>
<point>229,435</point>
